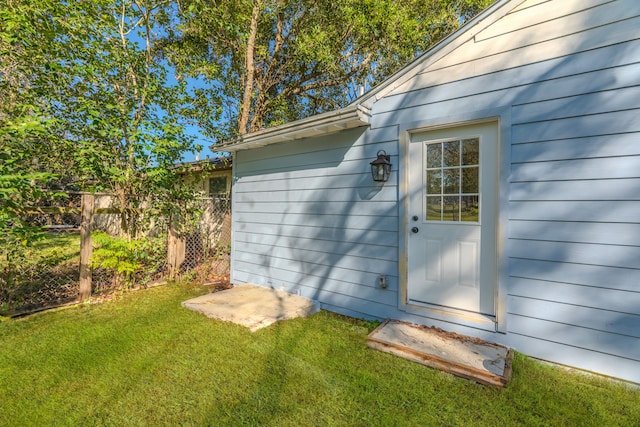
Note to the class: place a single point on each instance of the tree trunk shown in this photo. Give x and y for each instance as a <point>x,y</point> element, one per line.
<point>247,96</point>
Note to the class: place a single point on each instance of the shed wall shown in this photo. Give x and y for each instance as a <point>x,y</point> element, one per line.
<point>307,216</point>
<point>568,73</point>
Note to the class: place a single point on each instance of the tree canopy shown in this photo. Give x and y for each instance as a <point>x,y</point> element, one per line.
<point>91,99</point>
<point>273,61</point>
<point>100,94</point>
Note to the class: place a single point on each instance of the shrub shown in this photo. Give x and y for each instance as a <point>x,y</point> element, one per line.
<point>130,261</point>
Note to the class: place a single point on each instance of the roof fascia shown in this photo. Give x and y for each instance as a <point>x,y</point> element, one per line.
<point>348,117</point>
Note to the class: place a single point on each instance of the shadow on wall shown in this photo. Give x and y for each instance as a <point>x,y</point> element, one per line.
<point>311,218</point>
<point>317,222</point>
<point>573,198</point>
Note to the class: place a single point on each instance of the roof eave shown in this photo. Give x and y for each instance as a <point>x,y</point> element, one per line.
<point>349,117</point>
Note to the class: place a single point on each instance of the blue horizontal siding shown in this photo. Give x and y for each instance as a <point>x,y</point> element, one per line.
<point>615,145</point>
<point>603,211</point>
<point>308,217</point>
<point>573,286</point>
<point>551,273</point>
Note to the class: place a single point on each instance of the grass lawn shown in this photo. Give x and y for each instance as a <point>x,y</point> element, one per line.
<point>142,359</point>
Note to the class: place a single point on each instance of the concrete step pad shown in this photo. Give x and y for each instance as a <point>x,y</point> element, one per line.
<point>252,306</point>
<point>472,358</point>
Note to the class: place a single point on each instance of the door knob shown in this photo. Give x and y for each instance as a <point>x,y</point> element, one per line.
<point>415,229</point>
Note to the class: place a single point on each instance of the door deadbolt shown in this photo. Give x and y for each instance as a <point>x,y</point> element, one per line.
<point>415,229</point>
<point>415,217</point>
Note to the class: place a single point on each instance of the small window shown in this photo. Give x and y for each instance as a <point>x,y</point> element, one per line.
<point>217,186</point>
<point>451,185</point>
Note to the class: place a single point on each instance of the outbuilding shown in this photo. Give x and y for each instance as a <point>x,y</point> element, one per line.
<point>512,210</point>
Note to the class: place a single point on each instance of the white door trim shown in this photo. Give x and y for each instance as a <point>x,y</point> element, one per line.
<point>493,323</point>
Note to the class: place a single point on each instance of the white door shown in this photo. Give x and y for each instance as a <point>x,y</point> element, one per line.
<point>453,176</point>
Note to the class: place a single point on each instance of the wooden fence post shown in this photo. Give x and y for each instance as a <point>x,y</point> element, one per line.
<point>86,246</point>
<point>175,253</point>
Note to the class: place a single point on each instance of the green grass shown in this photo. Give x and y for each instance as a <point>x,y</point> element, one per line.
<point>142,359</point>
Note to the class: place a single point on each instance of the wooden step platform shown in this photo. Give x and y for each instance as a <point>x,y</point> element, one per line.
<point>472,358</point>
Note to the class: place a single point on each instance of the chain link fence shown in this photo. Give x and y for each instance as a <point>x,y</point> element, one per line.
<point>46,272</point>
<point>203,252</point>
<point>60,221</point>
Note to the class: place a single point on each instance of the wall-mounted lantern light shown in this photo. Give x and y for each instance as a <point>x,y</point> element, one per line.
<point>381,167</point>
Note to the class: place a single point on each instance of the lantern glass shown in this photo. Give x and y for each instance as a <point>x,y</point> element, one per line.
<point>381,167</point>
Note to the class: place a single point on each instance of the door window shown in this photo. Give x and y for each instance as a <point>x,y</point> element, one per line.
<point>452,190</point>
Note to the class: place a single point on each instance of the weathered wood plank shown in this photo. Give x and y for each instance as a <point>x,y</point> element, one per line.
<point>176,252</point>
<point>462,356</point>
<point>98,211</point>
<point>37,210</point>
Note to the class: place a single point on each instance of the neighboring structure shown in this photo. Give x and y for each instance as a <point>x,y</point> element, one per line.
<point>512,212</point>
<point>210,235</point>
<point>211,180</point>
<point>211,176</point>
<point>214,181</point>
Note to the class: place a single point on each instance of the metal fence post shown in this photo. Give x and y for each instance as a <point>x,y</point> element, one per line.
<point>86,246</point>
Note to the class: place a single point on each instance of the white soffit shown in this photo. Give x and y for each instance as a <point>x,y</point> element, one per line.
<point>349,117</point>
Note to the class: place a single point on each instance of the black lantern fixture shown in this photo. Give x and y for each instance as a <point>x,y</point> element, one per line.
<point>381,167</point>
